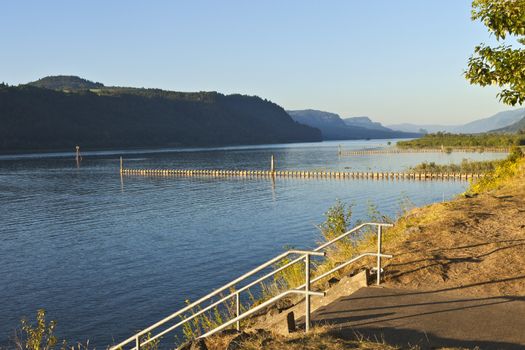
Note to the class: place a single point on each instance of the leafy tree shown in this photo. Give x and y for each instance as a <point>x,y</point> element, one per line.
<point>503,65</point>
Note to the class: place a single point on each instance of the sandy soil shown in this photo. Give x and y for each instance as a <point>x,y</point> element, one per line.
<point>470,245</point>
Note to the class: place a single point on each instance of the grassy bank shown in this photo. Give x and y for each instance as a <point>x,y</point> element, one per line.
<point>507,173</point>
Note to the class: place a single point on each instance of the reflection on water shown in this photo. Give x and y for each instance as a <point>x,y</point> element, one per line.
<point>107,255</point>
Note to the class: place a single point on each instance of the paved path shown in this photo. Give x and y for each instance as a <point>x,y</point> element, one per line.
<point>428,319</point>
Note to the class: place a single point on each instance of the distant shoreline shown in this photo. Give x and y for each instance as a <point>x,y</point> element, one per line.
<point>70,151</point>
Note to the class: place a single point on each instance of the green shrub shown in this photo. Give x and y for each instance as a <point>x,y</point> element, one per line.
<point>494,179</point>
<point>466,166</point>
<point>39,336</point>
<point>290,277</point>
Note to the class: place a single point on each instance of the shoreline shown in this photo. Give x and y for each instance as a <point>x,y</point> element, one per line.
<point>59,153</point>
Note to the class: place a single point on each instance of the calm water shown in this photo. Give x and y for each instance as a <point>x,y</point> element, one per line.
<point>107,256</point>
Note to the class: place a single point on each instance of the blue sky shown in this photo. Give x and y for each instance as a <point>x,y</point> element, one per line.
<point>395,61</point>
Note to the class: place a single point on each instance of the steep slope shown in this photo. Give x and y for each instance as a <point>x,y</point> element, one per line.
<point>331,125</point>
<point>365,122</point>
<point>37,119</point>
<point>334,128</point>
<point>516,127</point>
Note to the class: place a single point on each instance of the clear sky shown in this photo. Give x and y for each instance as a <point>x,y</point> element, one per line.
<point>395,61</point>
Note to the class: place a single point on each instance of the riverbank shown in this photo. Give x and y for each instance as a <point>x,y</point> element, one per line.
<point>471,246</point>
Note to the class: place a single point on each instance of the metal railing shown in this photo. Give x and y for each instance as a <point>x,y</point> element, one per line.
<point>304,289</point>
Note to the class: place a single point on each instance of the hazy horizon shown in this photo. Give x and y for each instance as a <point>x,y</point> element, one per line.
<point>394,62</point>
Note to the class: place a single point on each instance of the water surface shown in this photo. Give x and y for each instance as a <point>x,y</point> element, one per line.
<point>106,256</point>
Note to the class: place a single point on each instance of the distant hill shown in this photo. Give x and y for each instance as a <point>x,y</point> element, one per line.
<point>35,118</point>
<point>497,121</point>
<point>325,121</point>
<point>519,126</point>
<point>365,122</point>
<point>424,128</point>
<point>65,82</point>
<point>334,128</point>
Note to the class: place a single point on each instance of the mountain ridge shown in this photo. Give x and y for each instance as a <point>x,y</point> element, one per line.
<point>36,118</point>
<point>333,127</point>
<point>365,122</point>
<point>493,122</point>
<point>496,121</point>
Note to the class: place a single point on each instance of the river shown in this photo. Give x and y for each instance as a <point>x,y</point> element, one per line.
<point>107,256</point>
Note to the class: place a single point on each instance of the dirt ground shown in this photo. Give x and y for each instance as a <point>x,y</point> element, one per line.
<point>469,245</point>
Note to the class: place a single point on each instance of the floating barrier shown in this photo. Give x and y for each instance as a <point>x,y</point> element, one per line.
<point>273,173</point>
<point>420,150</point>
<point>298,174</point>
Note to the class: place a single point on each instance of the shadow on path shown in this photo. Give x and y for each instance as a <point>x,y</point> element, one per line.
<point>428,318</point>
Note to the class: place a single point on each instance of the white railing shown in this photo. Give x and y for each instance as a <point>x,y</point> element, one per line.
<point>304,289</point>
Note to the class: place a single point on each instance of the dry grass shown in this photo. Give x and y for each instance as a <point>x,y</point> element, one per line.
<point>471,245</point>
<point>320,338</point>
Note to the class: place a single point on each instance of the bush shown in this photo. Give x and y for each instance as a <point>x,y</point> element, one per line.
<point>466,166</point>
<point>39,336</point>
<point>505,170</point>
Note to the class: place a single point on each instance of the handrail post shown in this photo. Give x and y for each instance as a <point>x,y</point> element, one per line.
<point>379,231</point>
<point>238,310</point>
<point>137,342</point>
<point>307,290</point>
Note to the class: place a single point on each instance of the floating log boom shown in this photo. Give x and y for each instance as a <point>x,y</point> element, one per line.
<point>363,152</point>
<point>339,175</point>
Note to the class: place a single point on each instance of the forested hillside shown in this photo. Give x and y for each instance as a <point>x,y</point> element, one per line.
<point>66,82</point>
<point>34,118</point>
